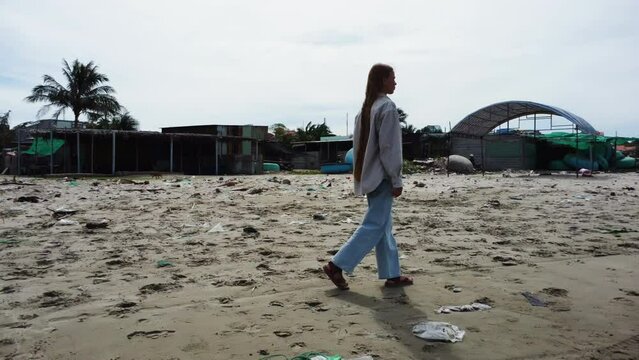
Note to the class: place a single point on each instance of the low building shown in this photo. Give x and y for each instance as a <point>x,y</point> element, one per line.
<point>329,149</point>
<point>92,151</point>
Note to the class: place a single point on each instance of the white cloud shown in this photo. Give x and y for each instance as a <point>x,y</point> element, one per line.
<point>198,62</point>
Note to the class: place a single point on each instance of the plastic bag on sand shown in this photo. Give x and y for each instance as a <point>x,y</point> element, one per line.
<point>438,331</point>
<point>217,228</point>
<point>463,308</point>
<point>66,222</point>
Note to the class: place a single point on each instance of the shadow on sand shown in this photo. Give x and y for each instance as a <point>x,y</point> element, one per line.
<point>394,311</point>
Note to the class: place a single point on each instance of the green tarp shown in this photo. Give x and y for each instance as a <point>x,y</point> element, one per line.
<point>44,146</point>
<point>583,141</point>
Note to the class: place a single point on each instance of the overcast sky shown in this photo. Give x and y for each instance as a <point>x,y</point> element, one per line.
<point>259,62</point>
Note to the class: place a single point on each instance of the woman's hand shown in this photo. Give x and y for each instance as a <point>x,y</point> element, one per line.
<point>397,191</point>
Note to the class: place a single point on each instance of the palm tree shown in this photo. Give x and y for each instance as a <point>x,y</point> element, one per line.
<point>407,128</point>
<point>402,115</point>
<point>120,121</point>
<point>124,121</point>
<point>313,132</point>
<point>84,92</point>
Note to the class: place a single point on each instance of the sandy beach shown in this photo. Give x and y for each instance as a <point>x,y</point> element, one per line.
<point>182,267</point>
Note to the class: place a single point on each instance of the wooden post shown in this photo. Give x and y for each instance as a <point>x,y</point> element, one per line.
<point>92,148</point>
<point>77,153</point>
<point>592,162</point>
<point>483,164</point>
<point>51,155</point>
<point>614,153</point>
<point>577,151</point>
<point>171,155</point>
<point>19,150</point>
<point>256,159</point>
<point>113,155</point>
<point>217,156</point>
<point>137,153</point>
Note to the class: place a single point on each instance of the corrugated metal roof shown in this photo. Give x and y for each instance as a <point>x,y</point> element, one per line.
<point>482,121</point>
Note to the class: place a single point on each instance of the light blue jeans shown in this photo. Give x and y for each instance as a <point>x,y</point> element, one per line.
<point>376,231</point>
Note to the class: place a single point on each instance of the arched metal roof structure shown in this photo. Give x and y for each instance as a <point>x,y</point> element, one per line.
<point>482,121</point>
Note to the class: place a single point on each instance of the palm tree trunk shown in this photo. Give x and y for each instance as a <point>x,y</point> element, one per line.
<point>76,123</point>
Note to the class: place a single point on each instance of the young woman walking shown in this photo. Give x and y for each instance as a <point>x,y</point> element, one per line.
<point>377,148</point>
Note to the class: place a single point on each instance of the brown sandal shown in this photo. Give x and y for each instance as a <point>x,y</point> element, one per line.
<point>398,282</point>
<point>335,275</point>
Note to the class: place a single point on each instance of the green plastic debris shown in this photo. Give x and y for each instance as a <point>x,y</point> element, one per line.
<point>9,241</point>
<point>305,356</point>
<point>73,183</point>
<point>164,263</point>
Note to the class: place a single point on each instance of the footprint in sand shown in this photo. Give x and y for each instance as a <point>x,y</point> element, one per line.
<point>124,307</point>
<point>158,287</point>
<point>152,334</point>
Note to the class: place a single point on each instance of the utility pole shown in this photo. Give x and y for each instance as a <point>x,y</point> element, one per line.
<point>346,124</point>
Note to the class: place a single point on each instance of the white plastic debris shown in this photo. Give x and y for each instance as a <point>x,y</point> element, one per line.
<point>463,308</point>
<point>217,228</point>
<point>66,222</point>
<point>438,331</point>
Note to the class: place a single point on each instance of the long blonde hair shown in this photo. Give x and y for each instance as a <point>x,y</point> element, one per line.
<point>374,86</point>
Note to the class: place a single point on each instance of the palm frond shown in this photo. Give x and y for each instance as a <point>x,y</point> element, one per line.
<point>56,114</point>
<point>43,110</point>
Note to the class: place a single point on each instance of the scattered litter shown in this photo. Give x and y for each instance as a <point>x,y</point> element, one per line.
<point>164,263</point>
<point>485,300</point>
<point>453,288</point>
<point>102,224</point>
<point>463,308</point>
<point>217,228</point>
<point>327,183</point>
<point>615,231</point>
<point>533,300</point>
<point>585,172</point>
<point>66,222</point>
<point>31,199</point>
<point>9,241</point>
<point>282,333</point>
<point>555,291</point>
<point>63,212</point>
<point>311,355</point>
<point>319,217</point>
<point>438,331</point>
<point>249,230</point>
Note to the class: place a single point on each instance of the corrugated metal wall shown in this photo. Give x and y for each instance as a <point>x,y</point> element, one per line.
<point>499,152</point>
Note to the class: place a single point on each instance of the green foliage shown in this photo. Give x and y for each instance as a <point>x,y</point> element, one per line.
<point>124,121</point>
<point>283,134</point>
<point>402,116</point>
<point>407,129</point>
<point>409,167</point>
<point>119,121</point>
<point>85,92</point>
<point>313,132</point>
<point>6,135</point>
